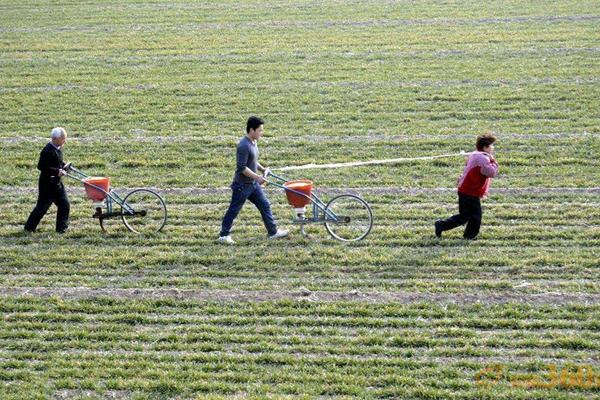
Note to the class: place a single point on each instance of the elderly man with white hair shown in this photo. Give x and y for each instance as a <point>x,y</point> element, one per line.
<point>51,189</point>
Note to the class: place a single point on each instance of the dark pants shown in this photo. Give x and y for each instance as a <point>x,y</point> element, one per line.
<point>48,194</point>
<point>253,192</point>
<point>469,212</point>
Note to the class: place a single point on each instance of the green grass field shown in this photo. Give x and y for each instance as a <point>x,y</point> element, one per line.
<point>156,94</point>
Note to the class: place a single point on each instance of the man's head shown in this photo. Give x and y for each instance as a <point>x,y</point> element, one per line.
<point>254,127</point>
<point>59,136</point>
<point>486,143</point>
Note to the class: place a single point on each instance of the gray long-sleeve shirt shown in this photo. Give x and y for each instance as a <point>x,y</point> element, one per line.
<point>246,156</point>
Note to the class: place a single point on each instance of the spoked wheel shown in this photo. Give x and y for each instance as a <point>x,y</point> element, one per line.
<point>144,211</point>
<point>348,218</point>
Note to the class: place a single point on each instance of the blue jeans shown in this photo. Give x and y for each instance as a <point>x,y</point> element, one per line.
<point>253,192</point>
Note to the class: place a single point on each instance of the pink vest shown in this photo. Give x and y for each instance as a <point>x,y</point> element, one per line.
<point>477,175</point>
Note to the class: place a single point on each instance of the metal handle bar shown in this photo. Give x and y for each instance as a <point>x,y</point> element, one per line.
<point>81,177</point>
<point>75,173</point>
<point>278,177</point>
<point>65,168</point>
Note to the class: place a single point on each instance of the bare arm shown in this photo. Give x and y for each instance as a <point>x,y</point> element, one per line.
<point>248,172</point>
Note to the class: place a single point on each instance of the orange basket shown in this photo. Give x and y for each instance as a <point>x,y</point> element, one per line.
<point>301,185</point>
<point>94,193</point>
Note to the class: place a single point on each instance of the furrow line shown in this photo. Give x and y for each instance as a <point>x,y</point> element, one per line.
<point>328,24</point>
<point>308,139</point>
<point>497,297</point>
<point>577,80</point>
<point>326,56</point>
<point>241,354</point>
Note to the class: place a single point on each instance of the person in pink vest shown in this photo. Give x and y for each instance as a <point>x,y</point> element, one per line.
<point>473,185</point>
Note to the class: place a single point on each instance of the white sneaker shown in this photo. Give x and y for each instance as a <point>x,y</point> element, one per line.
<point>225,239</point>
<point>281,233</point>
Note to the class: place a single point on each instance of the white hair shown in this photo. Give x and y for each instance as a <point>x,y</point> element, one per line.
<point>58,132</point>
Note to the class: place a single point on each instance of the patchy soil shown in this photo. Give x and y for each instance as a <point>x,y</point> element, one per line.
<point>74,293</point>
<point>65,394</point>
<point>141,137</point>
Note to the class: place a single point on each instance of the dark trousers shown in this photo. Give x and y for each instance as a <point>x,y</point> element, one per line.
<point>469,212</point>
<point>48,194</point>
<point>253,192</point>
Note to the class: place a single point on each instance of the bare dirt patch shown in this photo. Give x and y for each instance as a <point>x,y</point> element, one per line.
<point>75,293</point>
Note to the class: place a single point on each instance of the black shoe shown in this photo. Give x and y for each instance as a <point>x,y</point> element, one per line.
<point>438,228</point>
<point>62,231</point>
<point>471,238</point>
<point>28,231</point>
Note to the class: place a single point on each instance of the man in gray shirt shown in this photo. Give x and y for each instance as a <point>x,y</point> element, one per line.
<point>246,184</point>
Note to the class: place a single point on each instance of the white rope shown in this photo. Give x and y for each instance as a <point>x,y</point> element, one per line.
<point>370,162</point>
